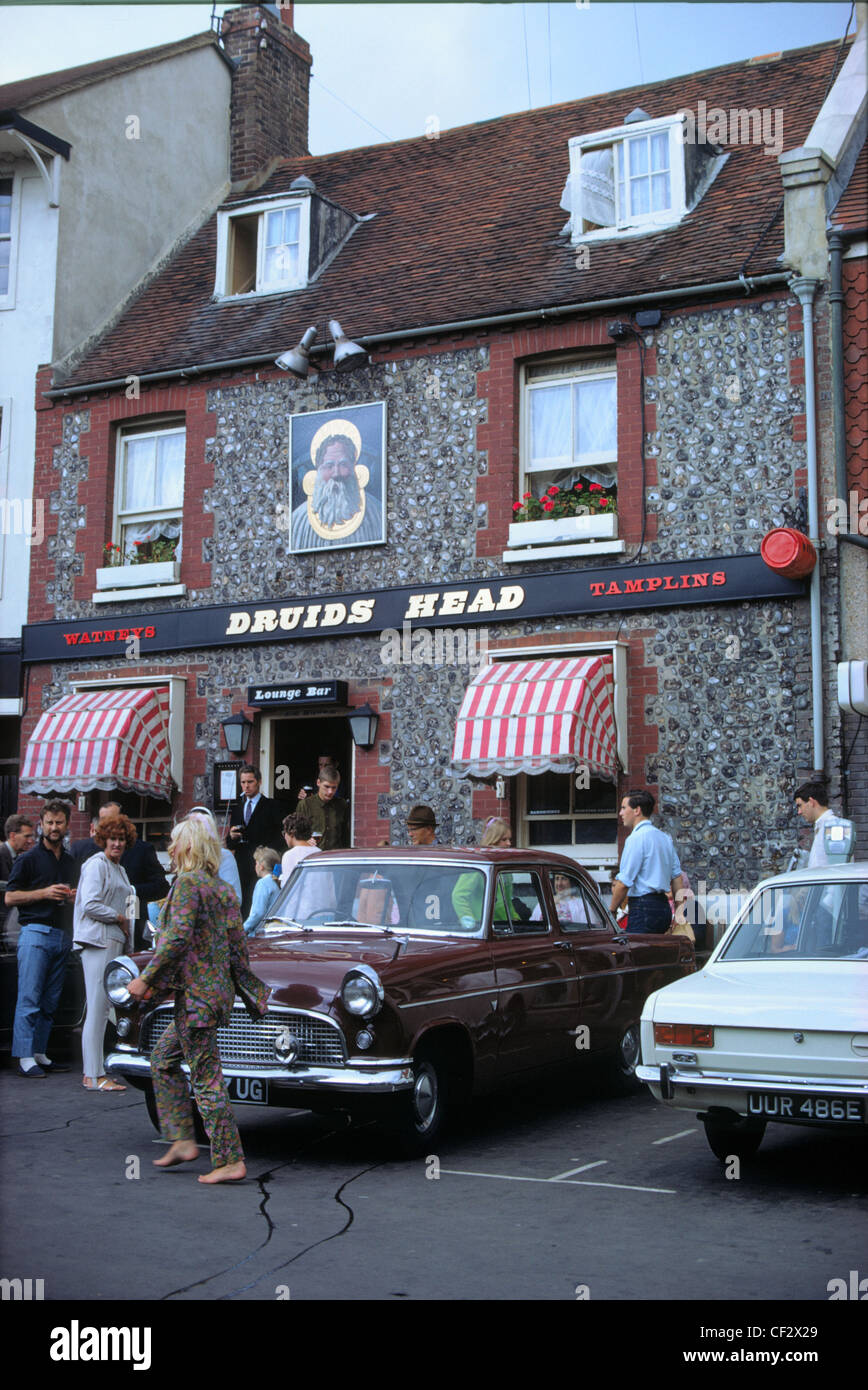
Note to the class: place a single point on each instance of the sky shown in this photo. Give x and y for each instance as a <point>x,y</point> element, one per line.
<point>396,71</point>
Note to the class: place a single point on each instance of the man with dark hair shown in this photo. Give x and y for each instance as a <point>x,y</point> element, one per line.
<point>649,868</point>
<point>42,887</point>
<point>298,834</point>
<point>20,836</point>
<point>327,812</point>
<point>812,804</point>
<point>256,821</point>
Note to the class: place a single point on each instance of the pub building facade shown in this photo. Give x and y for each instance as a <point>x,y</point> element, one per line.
<point>361,535</point>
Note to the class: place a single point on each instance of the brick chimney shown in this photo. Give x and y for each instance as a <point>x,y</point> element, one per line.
<point>269,114</point>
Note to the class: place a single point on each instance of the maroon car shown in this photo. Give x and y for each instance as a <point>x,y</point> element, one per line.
<point>404,979</point>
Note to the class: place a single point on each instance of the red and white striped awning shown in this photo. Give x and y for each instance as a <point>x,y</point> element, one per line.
<point>538,716</point>
<point>106,739</point>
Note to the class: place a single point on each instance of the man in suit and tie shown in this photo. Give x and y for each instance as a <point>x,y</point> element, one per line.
<point>256,821</point>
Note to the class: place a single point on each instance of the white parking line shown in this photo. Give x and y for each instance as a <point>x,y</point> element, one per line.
<point>568,1182</point>
<point>571,1172</point>
<point>680,1135</point>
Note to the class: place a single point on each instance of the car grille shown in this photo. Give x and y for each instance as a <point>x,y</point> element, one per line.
<point>249,1042</point>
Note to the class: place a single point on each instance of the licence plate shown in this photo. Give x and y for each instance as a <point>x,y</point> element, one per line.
<point>821,1109</point>
<point>247,1090</point>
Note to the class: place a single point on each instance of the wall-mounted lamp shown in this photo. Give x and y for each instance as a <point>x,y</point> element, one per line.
<point>236,733</point>
<point>363,726</point>
<point>297,360</point>
<point>347,354</point>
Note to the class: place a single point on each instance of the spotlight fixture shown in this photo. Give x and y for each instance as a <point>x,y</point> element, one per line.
<point>297,360</point>
<point>347,354</point>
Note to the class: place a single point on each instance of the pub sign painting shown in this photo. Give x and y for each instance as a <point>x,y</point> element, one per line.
<point>337,478</point>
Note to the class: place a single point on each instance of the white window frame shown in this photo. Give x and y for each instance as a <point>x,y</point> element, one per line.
<point>122,518</point>
<point>529,384</point>
<point>7,298</point>
<point>260,208</point>
<point>626,221</point>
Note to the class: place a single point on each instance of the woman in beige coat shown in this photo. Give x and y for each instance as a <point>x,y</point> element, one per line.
<point>103,905</point>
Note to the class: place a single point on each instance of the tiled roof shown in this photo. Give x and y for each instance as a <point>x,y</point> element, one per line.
<point>467,226</point>
<point>30,91</point>
<point>851,212</point>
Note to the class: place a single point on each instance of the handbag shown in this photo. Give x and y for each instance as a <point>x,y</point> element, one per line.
<point>682,929</point>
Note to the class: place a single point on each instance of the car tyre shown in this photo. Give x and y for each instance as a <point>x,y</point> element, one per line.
<point>733,1136</point>
<point>418,1117</point>
<point>619,1069</point>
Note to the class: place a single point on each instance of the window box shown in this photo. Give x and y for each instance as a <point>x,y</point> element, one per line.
<point>603,526</point>
<point>154,572</point>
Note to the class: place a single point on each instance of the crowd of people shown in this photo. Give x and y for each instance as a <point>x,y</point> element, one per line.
<point>99,895</point>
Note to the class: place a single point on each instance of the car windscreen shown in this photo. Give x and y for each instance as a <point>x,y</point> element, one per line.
<point>804,921</point>
<point>412,896</point>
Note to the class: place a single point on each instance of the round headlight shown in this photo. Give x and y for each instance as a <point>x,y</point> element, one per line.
<point>362,992</point>
<point>117,976</point>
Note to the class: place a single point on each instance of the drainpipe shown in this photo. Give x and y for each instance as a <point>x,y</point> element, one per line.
<point>804,290</point>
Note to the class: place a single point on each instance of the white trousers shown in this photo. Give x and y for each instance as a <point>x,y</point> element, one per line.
<point>94,960</point>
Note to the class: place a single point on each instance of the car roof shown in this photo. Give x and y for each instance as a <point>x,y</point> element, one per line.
<point>470,857</point>
<point>823,873</point>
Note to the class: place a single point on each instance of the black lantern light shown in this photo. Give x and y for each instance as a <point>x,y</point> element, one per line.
<point>236,733</point>
<point>363,726</point>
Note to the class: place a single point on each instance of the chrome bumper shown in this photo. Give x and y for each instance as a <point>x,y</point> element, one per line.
<point>670,1080</point>
<point>366,1078</point>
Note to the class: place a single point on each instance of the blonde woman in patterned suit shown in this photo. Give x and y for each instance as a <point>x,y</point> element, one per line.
<point>201,957</point>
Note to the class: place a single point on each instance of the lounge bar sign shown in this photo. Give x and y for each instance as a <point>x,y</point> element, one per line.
<point>613,589</point>
<point>302,693</point>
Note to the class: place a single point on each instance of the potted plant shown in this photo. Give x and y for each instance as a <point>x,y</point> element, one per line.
<point>586,511</point>
<point>149,563</point>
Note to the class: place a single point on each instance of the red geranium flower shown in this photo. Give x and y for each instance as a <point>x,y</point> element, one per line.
<point>516,506</point>
<point>553,491</point>
<point>547,505</point>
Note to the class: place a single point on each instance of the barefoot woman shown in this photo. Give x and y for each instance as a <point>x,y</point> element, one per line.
<point>202,957</point>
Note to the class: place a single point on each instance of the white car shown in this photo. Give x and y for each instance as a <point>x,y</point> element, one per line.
<point>775,1027</point>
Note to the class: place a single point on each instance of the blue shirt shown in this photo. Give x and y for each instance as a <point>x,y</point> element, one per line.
<point>264,893</point>
<point>648,862</point>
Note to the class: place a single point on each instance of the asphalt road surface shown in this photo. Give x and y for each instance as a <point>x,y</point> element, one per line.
<point>544,1194</point>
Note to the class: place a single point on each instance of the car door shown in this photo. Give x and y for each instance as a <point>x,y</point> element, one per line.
<point>603,965</point>
<point>537,988</point>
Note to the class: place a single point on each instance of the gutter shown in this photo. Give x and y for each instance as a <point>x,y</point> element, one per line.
<point>746,284</point>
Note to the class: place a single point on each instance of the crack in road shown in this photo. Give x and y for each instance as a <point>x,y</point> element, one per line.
<point>269,1273</point>
<point>52,1129</point>
<point>261,1181</point>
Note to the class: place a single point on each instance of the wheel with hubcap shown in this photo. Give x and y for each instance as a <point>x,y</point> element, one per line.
<point>733,1136</point>
<point>418,1117</point>
<point>620,1066</point>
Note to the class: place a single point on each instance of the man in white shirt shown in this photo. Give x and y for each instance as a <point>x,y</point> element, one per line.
<point>812,804</point>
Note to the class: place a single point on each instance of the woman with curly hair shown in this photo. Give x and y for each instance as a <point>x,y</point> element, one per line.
<point>202,958</point>
<point>104,903</point>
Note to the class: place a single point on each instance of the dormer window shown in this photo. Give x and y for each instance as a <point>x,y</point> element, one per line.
<point>635,177</point>
<point>263,251</point>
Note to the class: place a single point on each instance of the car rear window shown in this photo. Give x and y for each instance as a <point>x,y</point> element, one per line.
<point>804,921</point>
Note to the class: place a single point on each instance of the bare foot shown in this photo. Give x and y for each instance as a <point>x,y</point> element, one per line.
<point>230,1172</point>
<point>182,1151</point>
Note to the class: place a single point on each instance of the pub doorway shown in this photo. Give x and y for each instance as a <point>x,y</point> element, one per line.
<point>298,744</point>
